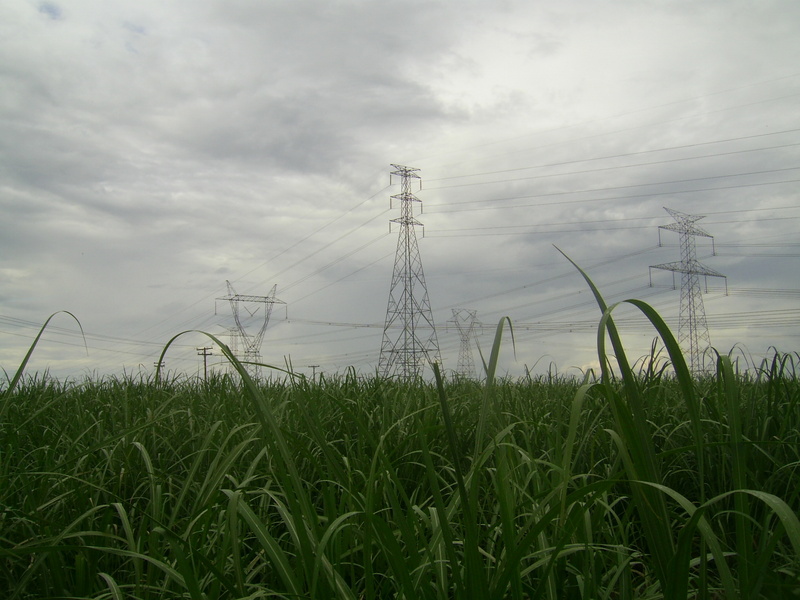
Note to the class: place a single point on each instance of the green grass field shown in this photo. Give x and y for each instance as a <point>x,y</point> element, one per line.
<point>645,483</point>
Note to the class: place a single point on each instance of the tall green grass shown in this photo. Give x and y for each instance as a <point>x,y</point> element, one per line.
<point>642,483</point>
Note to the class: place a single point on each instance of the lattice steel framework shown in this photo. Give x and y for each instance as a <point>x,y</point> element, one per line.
<point>409,333</point>
<point>233,343</point>
<point>251,342</point>
<point>466,323</point>
<point>693,333</point>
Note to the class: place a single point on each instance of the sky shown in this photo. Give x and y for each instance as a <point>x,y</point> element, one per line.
<point>152,151</point>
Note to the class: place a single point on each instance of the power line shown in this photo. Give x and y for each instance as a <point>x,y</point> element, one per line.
<point>624,114</point>
<point>607,198</point>
<point>620,155</point>
<point>628,219</point>
<point>89,336</point>
<point>467,202</point>
<point>529,229</point>
<point>210,295</point>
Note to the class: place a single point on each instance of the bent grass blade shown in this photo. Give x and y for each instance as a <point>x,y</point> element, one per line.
<point>21,369</point>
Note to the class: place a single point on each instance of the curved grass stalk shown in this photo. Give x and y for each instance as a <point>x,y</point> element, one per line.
<point>569,445</point>
<point>374,524</point>
<point>298,514</point>
<point>113,587</point>
<point>491,371</point>
<point>476,581</point>
<point>279,559</point>
<point>43,549</point>
<point>678,582</point>
<point>21,369</point>
<point>634,439</point>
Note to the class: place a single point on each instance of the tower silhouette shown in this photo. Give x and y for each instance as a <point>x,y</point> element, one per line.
<point>233,343</point>
<point>466,323</point>
<point>692,326</point>
<point>251,341</point>
<point>409,334</point>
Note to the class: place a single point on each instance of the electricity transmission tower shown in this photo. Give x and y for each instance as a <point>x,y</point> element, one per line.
<point>692,327</point>
<point>233,334</point>
<point>233,343</point>
<point>466,323</point>
<point>409,335</point>
<point>253,305</point>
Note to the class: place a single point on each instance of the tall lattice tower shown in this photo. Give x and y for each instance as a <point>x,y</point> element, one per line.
<point>466,323</point>
<point>233,343</point>
<point>692,327</point>
<point>258,309</point>
<point>409,334</point>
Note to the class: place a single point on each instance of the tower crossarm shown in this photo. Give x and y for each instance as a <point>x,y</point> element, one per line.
<point>406,172</point>
<point>687,228</point>
<point>685,224</point>
<point>406,221</point>
<point>692,268</point>
<point>246,298</point>
<point>405,198</point>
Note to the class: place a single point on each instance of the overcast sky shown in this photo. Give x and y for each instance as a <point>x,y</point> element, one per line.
<point>150,151</point>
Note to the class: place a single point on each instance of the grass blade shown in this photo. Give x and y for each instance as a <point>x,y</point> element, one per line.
<point>634,430</point>
<point>21,369</point>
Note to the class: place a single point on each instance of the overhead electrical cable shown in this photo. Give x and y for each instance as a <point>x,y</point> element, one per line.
<point>620,155</point>
<point>619,115</point>
<point>628,219</point>
<point>606,198</point>
<point>334,262</point>
<point>483,201</point>
<point>274,257</point>
<point>323,247</point>
<point>374,262</point>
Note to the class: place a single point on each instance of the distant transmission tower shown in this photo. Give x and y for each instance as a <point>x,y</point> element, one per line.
<point>253,305</point>
<point>466,322</point>
<point>233,344</point>
<point>692,327</point>
<point>409,335</point>
<point>233,333</point>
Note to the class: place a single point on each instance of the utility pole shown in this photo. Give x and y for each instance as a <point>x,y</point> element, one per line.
<point>693,334</point>
<point>466,323</point>
<point>205,352</point>
<point>409,334</point>
<point>313,372</point>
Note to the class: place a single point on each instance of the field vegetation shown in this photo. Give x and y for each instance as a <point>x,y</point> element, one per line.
<point>638,482</point>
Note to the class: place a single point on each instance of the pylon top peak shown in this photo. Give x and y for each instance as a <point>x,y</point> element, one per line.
<point>406,173</point>
<point>682,216</point>
<point>404,169</point>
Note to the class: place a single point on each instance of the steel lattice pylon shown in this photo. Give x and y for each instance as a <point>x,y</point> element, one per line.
<point>693,333</point>
<point>466,322</point>
<point>251,342</point>
<point>409,334</point>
